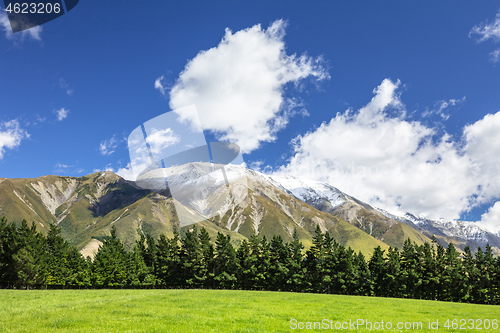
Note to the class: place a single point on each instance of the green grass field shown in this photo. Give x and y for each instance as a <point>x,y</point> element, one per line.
<point>219,311</point>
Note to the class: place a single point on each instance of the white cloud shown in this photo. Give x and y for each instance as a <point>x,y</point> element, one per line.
<point>68,168</point>
<point>159,140</point>
<point>495,56</point>
<point>491,219</point>
<point>127,173</point>
<point>11,135</point>
<point>402,165</point>
<point>160,86</point>
<point>62,168</point>
<point>62,113</point>
<point>107,147</point>
<point>33,33</point>
<point>108,167</point>
<point>65,86</point>
<point>441,108</point>
<point>483,149</point>
<point>489,31</point>
<point>239,86</point>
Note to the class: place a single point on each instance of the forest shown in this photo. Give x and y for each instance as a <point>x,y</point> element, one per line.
<point>30,259</point>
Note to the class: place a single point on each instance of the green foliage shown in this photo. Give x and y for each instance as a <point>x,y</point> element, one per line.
<point>28,260</point>
<point>225,262</point>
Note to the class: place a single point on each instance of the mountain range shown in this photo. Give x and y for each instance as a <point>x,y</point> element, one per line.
<point>87,207</point>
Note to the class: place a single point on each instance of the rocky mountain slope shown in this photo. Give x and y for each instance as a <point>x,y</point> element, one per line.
<point>461,233</point>
<point>329,199</point>
<point>87,207</point>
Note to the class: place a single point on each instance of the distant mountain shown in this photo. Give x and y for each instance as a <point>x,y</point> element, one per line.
<point>461,233</point>
<point>86,207</point>
<point>329,199</point>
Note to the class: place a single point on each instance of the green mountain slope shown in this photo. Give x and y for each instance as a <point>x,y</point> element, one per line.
<point>87,207</point>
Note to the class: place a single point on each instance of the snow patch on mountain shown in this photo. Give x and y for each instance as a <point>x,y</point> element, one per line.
<point>461,229</point>
<point>465,230</point>
<point>310,191</point>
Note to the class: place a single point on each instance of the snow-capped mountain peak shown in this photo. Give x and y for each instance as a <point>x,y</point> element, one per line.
<point>469,232</point>
<point>310,191</point>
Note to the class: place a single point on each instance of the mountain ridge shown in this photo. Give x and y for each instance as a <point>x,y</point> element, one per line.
<point>86,207</point>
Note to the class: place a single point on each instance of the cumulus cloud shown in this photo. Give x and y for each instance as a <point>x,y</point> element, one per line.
<point>33,33</point>
<point>107,147</point>
<point>239,86</point>
<point>491,219</point>
<point>380,156</point>
<point>495,56</point>
<point>11,135</point>
<point>159,140</point>
<point>126,172</point>
<point>159,85</point>
<point>488,31</point>
<point>61,114</point>
<point>483,150</point>
<point>442,107</point>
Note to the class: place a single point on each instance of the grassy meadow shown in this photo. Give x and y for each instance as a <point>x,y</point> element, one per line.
<point>220,311</point>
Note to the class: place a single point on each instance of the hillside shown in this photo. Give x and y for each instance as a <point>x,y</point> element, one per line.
<point>329,199</point>
<point>86,208</point>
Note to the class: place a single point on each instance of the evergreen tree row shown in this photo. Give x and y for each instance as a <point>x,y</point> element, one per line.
<point>29,259</point>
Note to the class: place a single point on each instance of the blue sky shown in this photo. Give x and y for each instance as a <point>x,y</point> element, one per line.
<point>393,102</point>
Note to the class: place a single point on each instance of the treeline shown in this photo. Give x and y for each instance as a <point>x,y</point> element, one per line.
<point>29,259</point>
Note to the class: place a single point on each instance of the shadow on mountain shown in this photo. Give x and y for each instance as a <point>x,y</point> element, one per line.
<point>119,195</point>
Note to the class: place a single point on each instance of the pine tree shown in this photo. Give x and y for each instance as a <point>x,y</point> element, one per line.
<point>453,279</point>
<point>346,264</point>
<point>471,276</point>
<point>483,283</point>
<point>430,275</point>
<point>150,254</point>
<point>30,258</point>
<point>168,261</point>
<point>411,270</point>
<point>139,274</point>
<point>376,264</point>
<point>79,269</point>
<point>58,250</point>
<point>263,264</point>
<point>257,275</point>
<point>295,263</point>
<point>246,266</point>
<point>109,266</point>
<point>496,281</point>
<point>207,251</point>
<point>440,260</point>
<point>192,270</point>
<point>363,282</point>
<point>332,276</point>
<point>9,245</point>
<point>225,266</point>
<point>488,277</point>
<point>391,279</point>
<point>314,264</point>
<point>278,270</point>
